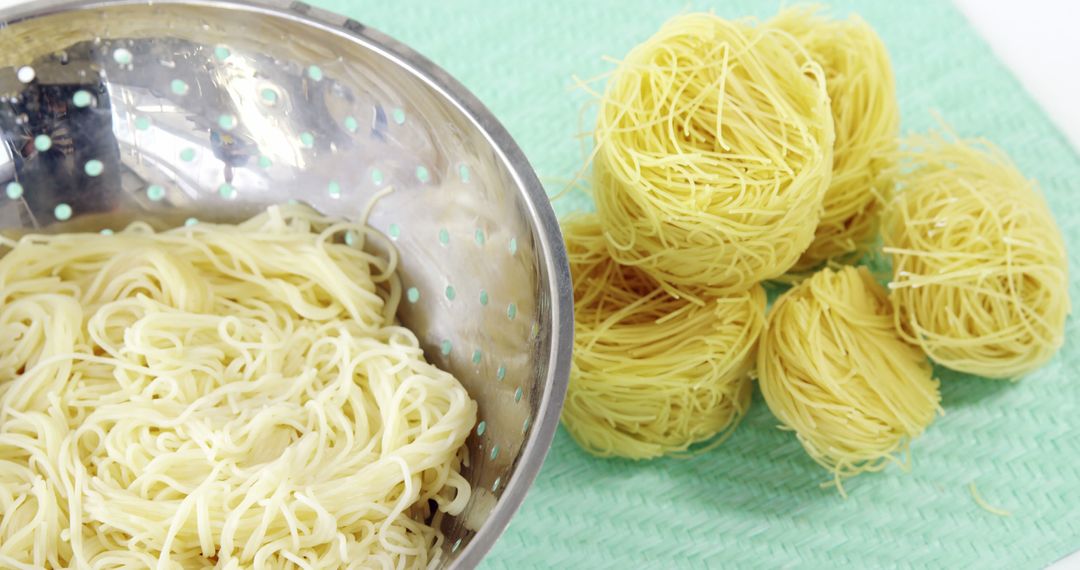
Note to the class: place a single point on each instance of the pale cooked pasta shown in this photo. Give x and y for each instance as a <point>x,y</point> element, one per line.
<point>219,396</point>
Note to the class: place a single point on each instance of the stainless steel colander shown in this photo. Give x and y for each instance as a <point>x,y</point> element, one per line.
<point>176,112</point>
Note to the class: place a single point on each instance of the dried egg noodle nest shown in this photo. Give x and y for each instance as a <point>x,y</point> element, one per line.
<point>713,154</point>
<point>833,370</point>
<point>980,271</point>
<point>652,374</point>
<point>866,119</point>
<point>219,396</point>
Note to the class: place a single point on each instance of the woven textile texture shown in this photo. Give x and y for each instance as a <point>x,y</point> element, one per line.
<point>755,501</point>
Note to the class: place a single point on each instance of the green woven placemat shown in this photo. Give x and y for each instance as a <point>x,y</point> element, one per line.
<point>755,501</point>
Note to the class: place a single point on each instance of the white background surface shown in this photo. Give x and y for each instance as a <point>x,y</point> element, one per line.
<point>1039,40</point>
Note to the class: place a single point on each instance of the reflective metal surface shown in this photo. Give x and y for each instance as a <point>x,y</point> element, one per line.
<point>176,112</point>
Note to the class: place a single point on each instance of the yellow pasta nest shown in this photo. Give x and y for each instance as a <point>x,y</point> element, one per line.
<point>713,153</point>
<point>980,273</point>
<point>832,369</point>
<point>652,374</point>
<point>866,118</point>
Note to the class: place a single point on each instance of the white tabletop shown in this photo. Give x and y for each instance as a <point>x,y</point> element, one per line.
<point>1039,42</point>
